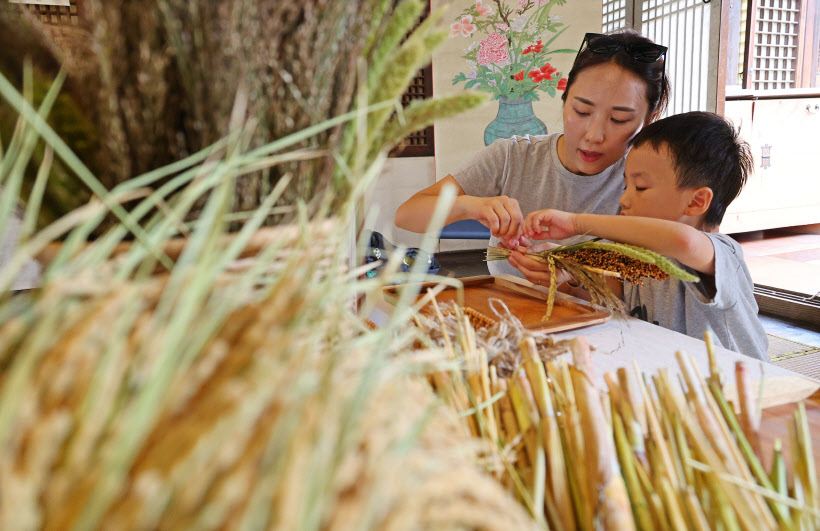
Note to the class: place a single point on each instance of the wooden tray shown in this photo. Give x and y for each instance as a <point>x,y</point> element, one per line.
<point>525,301</point>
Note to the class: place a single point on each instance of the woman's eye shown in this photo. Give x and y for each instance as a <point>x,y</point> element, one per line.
<point>619,121</point>
<point>579,113</point>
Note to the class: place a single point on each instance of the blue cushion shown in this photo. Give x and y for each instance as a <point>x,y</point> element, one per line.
<point>466,229</point>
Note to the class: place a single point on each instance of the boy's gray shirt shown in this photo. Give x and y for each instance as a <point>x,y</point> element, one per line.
<point>685,307</point>
<point>528,169</point>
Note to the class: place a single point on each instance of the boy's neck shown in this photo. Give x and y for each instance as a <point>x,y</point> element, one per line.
<point>696,222</point>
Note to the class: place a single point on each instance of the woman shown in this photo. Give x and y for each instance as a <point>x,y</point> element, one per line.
<point>616,86</point>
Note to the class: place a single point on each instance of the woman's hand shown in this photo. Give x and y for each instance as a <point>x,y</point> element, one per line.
<point>501,214</point>
<point>550,224</point>
<point>533,270</point>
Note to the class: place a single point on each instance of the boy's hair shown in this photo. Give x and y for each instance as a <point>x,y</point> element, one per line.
<point>706,151</point>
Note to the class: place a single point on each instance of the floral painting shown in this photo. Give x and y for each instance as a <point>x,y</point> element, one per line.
<point>510,48</point>
<point>513,50</point>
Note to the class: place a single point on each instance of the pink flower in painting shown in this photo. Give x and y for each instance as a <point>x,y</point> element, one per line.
<point>465,27</point>
<point>493,50</point>
<point>483,10</point>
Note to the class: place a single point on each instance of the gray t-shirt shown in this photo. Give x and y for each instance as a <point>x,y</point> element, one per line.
<point>528,169</point>
<point>685,306</point>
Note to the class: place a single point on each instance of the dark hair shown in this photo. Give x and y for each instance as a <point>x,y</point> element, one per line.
<point>657,85</point>
<point>706,151</point>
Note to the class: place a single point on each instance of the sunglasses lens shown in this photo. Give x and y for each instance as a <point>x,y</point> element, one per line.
<point>645,53</point>
<point>603,45</point>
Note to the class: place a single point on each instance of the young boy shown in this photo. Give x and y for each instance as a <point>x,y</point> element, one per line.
<point>681,174</point>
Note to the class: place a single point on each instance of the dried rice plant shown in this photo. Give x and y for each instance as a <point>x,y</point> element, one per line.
<point>653,453</point>
<point>151,83</point>
<point>590,262</point>
<point>498,337</point>
<point>158,380</point>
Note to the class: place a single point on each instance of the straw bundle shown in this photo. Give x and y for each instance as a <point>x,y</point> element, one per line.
<point>591,262</point>
<point>653,453</point>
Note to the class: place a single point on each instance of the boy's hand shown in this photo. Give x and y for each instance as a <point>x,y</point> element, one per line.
<point>549,224</point>
<point>520,243</point>
<point>501,214</point>
<point>533,270</point>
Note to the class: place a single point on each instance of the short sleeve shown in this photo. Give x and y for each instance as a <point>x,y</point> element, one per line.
<point>483,174</point>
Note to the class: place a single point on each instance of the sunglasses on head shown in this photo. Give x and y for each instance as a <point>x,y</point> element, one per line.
<point>644,52</point>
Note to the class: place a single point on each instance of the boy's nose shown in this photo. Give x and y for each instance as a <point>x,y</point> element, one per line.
<point>623,201</point>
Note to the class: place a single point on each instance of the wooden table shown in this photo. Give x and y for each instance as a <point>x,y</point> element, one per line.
<point>774,425</point>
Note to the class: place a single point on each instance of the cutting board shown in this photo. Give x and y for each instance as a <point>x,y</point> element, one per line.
<point>526,302</point>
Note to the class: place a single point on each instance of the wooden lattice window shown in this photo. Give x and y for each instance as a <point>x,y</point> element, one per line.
<point>614,15</point>
<point>55,12</point>
<point>782,47</point>
<point>419,143</point>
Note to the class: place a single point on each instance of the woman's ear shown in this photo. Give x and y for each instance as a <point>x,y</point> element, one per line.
<point>700,201</point>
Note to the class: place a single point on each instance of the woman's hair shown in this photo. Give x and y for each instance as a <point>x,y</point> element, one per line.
<point>657,84</point>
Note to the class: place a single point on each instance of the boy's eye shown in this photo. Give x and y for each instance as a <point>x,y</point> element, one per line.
<point>639,189</point>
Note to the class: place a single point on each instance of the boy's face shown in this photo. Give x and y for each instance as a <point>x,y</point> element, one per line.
<point>651,188</point>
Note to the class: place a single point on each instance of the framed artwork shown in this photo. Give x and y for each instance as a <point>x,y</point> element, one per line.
<point>519,52</point>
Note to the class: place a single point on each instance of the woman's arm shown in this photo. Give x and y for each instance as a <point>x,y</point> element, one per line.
<point>682,242</point>
<point>501,214</point>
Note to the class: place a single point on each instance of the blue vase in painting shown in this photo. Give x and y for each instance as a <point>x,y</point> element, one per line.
<point>515,117</point>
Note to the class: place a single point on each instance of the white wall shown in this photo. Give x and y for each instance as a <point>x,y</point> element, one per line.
<point>402,177</point>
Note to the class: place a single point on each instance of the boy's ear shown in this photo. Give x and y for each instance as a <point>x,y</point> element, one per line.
<point>699,201</point>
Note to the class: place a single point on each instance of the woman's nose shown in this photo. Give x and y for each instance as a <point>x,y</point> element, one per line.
<point>595,132</point>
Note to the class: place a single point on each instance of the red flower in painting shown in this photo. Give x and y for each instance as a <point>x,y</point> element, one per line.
<point>519,76</point>
<point>562,84</point>
<point>547,71</point>
<point>493,50</point>
<point>534,48</point>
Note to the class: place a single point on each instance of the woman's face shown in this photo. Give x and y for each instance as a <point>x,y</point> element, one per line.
<point>606,106</point>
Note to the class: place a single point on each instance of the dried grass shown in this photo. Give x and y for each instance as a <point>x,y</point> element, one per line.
<point>158,385</point>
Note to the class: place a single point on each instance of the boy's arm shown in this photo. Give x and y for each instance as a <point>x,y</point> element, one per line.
<point>682,242</point>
